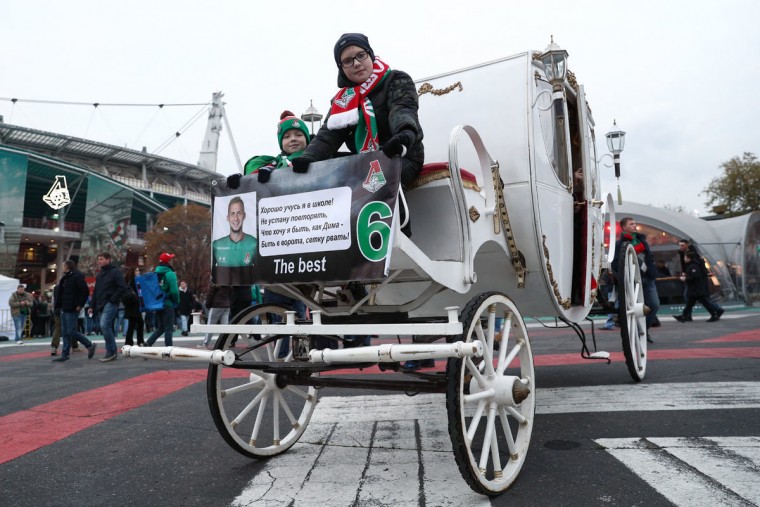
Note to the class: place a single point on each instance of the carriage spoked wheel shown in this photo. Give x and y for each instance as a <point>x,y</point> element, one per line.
<point>633,328</point>
<point>490,400</point>
<point>256,412</point>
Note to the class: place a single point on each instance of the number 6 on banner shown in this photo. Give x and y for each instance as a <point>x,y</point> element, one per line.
<point>372,233</point>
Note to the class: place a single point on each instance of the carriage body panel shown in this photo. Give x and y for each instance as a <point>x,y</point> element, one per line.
<point>509,103</point>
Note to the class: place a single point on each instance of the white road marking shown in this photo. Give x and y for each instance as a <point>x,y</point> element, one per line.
<point>680,396</point>
<point>694,471</point>
<point>395,449</point>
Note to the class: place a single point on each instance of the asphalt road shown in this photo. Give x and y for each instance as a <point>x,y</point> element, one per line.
<point>140,432</point>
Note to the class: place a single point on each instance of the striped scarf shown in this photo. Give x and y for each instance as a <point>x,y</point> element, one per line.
<point>347,104</point>
<point>635,241</point>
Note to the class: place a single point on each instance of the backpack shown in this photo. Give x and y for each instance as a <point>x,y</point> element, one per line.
<point>150,291</point>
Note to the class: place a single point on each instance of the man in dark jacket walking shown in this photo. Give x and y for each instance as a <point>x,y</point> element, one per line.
<point>696,289</point>
<point>109,289</point>
<point>70,295</point>
<point>647,268</point>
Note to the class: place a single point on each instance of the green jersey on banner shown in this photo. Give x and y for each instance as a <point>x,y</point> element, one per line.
<point>228,253</point>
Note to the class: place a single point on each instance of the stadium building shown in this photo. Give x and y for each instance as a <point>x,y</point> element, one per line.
<point>64,197</point>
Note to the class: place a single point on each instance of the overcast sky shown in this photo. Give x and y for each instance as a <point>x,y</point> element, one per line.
<point>679,76</point>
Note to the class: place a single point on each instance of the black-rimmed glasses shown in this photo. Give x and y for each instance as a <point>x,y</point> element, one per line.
<point>359,57</point>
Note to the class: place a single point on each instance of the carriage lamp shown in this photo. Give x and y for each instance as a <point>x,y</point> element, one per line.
<point>554,59</point>
<point>616,143</point>
<point>312,115</point>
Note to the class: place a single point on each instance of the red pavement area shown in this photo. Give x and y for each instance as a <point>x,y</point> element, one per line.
<point>28,430</point>
<point>744,336</point>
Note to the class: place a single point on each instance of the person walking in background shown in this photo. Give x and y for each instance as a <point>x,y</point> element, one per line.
<point>40,315</point>
<point>55,337</point>
<point>686,246</point>
<point>185,307</point>
<point>71,291</point>
<point>696,290</point>
<point>90,326</point>
<point>646,267</point>
<point>132,309</point>
<point>56,332</point>
<point>119,327</point>
<point>46,309</point>
<point>109,289</point>
<point>171,292</point>
<point>218,307</point>
<point>21,303</point>
<point>611,300</point>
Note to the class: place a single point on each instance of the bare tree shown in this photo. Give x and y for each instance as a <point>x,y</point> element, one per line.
<point>186,232</point>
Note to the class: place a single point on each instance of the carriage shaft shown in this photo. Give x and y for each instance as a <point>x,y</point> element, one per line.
<point>396,353</point>
<point>226,357</point>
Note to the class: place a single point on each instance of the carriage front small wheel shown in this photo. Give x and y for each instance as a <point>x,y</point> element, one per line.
<point>490,400</point>
<point>256,412</point>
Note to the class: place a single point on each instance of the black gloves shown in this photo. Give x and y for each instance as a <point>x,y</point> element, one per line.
<point>264,173</point>
<point>233,181</point>
<point>301,164</point>
<point>399,143</point>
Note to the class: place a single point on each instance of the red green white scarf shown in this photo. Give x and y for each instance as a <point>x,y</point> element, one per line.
<point>346,105</point>
<point>638,246</point>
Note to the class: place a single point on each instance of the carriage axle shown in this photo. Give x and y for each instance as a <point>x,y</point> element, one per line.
<point>386,353</point>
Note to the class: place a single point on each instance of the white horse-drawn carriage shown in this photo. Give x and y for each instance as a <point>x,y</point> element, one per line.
<point>502,240</point>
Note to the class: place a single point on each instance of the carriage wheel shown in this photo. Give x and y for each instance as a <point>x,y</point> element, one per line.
<point>256,413</point>
<point>633,327</point>
<point>491,400</point>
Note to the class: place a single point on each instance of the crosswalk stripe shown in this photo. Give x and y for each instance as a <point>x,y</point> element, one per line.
<point>693,471</point>
<point>676,396</point>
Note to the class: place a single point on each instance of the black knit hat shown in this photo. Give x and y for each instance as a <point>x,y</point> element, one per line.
<point>352,39</point>
<point>345,40</point>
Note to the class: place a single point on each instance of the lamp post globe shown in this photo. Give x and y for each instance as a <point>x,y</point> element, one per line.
<point>616,143</point>
<point>615,139</point>
<point>311,115</point>
<point>554,59</point>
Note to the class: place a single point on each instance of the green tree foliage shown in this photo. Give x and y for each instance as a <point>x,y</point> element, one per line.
<point>186,232</point>
<point>738,189</point>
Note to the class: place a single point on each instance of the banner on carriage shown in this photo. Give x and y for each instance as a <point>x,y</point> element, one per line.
<point>332,224</point>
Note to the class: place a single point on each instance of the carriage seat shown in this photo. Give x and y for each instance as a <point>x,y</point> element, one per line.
<point>440,170</point>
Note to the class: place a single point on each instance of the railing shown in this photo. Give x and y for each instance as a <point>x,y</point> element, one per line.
<point>163,189</point>
<point>43,223</point>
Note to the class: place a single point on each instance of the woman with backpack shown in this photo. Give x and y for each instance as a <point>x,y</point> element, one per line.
<point>132,309</point>
<point>168,280</point>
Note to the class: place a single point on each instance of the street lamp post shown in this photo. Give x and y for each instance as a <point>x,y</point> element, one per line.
<point>616,143</point>
<point>554,59</point>
<point>312,115</point>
